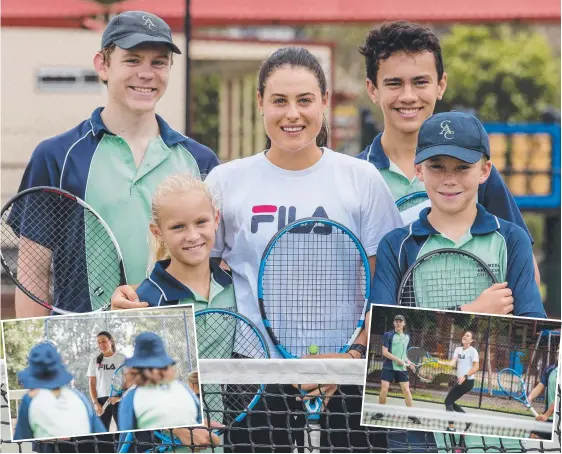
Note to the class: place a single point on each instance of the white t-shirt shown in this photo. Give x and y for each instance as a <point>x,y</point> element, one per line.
<point>104,372</point>
<point>258,198</point>
<point>465,360</point>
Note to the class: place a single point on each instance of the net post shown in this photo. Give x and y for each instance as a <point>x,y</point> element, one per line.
<point>484,368</point>
<point>187,339</point>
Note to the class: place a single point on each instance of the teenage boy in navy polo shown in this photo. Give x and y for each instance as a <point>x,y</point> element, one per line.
<point>406,78</point>
<point>395,345</point>
<point>116,158</point>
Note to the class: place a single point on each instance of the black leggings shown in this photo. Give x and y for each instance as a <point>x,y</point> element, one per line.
<point>456,392</point>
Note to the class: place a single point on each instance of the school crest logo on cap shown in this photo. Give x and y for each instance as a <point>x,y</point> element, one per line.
<point>148,22</point>
<point>446,130</point>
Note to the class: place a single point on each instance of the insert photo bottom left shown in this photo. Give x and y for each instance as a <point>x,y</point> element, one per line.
<point>104,372</point>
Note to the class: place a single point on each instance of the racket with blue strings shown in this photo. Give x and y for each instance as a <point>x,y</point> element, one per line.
<point>117,386</point>
<point>313,286</point>
<point>514,386</point>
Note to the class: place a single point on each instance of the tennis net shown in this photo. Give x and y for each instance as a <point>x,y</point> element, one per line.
<point>277,421</point>
<point>483,423</point>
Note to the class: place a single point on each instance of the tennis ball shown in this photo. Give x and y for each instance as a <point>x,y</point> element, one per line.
<point>313,349</point>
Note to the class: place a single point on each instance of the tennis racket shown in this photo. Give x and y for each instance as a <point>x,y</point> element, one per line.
<point>411,200</point>
<point>117,386</point>
<point>513,385</point>
<point>313,285</point>
<point>425,365</point>
<point>59,251</point>
<point>445,279</point>
<point>228,334</point>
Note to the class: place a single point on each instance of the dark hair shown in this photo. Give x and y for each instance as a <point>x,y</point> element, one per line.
<point>400,36</point>
<point>301,58</point>
<point>113,347</point>
<point>472,334</point>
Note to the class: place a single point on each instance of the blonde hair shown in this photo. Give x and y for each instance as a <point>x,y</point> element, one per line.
<point>193,378</point>
<point>174,184</point>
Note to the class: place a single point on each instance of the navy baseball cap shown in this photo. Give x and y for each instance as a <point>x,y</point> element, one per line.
<point>131,28</point>
<point>455,134</point>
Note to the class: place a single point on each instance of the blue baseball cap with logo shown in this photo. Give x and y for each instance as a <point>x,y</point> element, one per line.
<point>132,28</point>
<point>456,134</point>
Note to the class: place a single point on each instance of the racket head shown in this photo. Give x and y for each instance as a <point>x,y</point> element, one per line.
<point>220,333</point>
<point>445,279</point>
<point>59,251</point>
<point>411,200</point>
<point>118,381</point>
<point>512,384</point>
<point>427,371</point>
<point>417,355</point>
<point>313,285</point>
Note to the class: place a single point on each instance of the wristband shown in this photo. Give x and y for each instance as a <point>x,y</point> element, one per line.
<point>466,377</point>
<point>359,348</point>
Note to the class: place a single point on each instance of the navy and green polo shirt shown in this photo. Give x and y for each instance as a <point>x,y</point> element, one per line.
<point>504,246</point>
<point>548,379</point>
<point>397,344</point>
<point>493,193</point>
<point>163,289</point>
<point>98,166</point>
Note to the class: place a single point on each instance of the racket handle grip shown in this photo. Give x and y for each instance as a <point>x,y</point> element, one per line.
<point>105,405</point>
<point>533,411</point>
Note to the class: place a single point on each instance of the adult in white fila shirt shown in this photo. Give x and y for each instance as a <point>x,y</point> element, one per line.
<point>100,372</point>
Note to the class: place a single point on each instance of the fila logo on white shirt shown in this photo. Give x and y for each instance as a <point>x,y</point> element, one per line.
<point>284,216</point>
<point>106,366</point>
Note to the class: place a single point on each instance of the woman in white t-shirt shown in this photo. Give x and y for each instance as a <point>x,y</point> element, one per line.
<point>297,176</point>
<point>100,373</point>
<point>467,362</point>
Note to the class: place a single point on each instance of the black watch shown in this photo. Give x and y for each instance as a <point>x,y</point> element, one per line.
<point>359,348</point>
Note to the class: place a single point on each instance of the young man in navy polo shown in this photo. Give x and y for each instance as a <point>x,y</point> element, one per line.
<point>116,158</point>
<point>406,78</point>
<point>395,345</point>
<point>453,159</point>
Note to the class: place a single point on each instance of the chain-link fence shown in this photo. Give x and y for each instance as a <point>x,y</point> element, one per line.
<point>76,337</point>
<point>524,345</point>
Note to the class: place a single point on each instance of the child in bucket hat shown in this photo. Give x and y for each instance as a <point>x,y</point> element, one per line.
<point>51,408</point>
<point>159,399</point>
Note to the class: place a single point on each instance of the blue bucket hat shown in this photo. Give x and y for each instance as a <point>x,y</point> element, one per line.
<point>45,369</point>
<point>456,134</point>
<point>132,28</point>
<point>149,353</point>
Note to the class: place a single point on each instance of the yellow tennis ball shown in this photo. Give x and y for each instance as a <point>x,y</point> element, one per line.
<point>313,349</point>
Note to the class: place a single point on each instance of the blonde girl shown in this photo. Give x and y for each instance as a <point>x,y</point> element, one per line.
<point>185,219</point>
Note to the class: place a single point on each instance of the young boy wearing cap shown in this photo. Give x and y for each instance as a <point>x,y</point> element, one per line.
<point>395,367</point>
<point>406,78</point>
<point>452,160</point>
<point>159,399</point>
<point>115,159</point>
<point>51,408</point>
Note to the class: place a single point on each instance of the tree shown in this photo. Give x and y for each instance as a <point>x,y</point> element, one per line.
<point>19,337</point>
<point>505,73</point>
